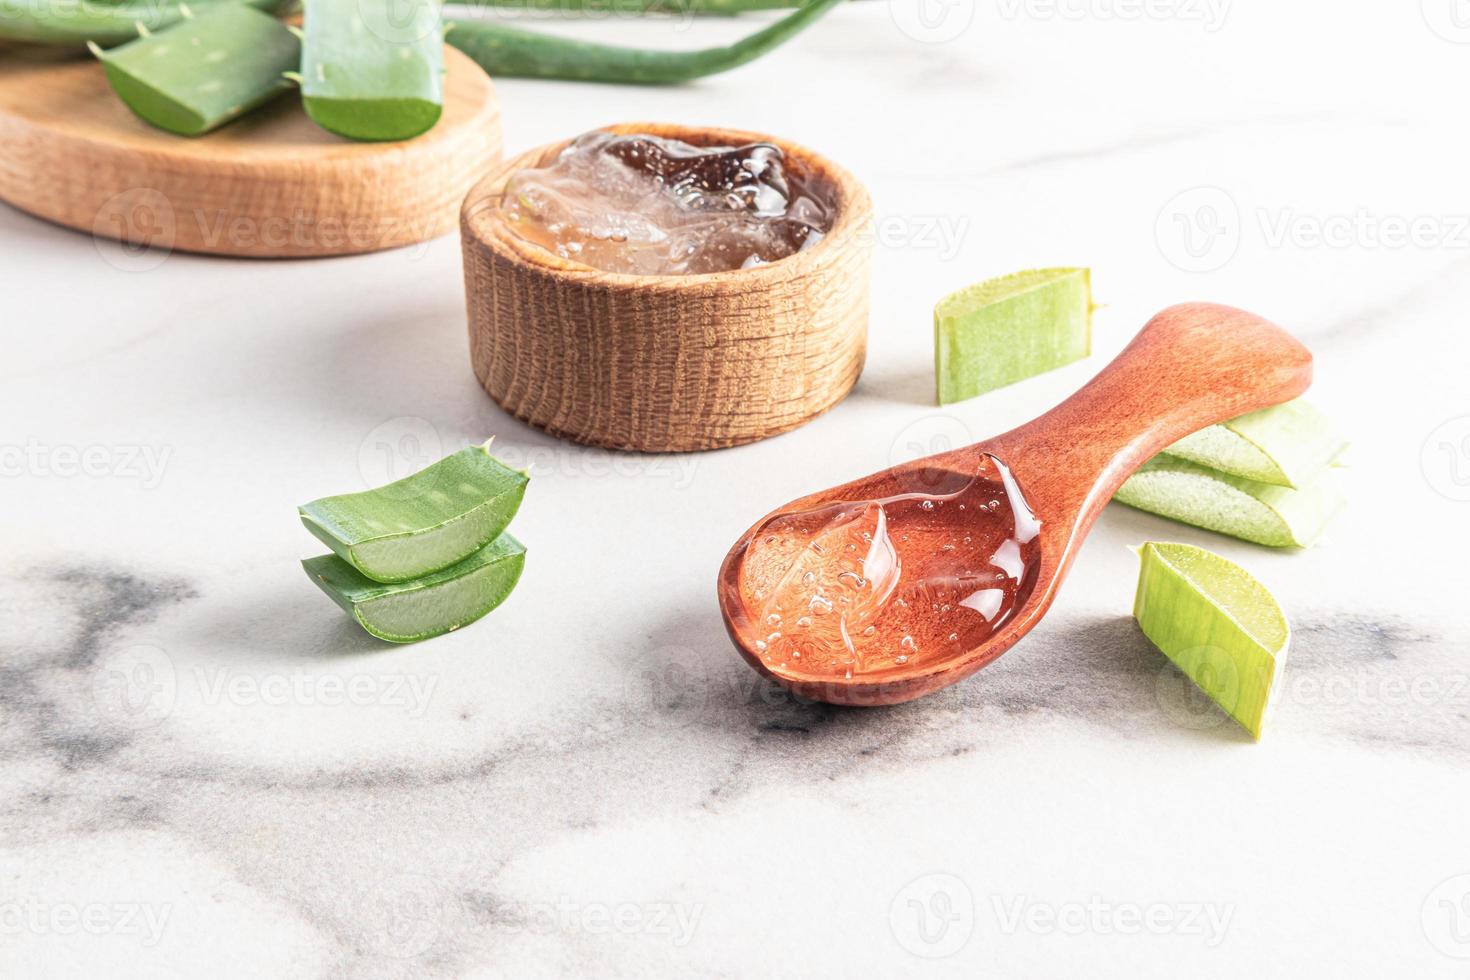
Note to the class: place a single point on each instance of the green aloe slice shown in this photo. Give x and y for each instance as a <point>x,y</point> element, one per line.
<point>406,612</point>
<point>1008,329</point>
<point>205,70</point>
<point>424,522</point>
<point>1218,625</point>
<point>1286,445</point>
<point>1278,517</point>
<point>373,69</point>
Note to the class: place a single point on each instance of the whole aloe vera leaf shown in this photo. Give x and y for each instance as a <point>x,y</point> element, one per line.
<point>205,70</point>
<point>373,69</point>
<point>1218,625</point>
<point>406,612</point>
<point>424,522</point>
<point>1279,517</point>
<point>506,51</point>
<point>1007,329</point>
<point>80,21</point>
<point>1286,445</point>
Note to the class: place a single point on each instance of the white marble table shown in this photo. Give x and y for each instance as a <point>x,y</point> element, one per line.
<point>589,782</point>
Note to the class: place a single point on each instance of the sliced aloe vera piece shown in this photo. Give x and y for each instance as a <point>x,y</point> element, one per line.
<point>424,522</point>
<point>205,70</point>
<point>1008,329</point>
<point>1278,517</point>
<point>373,69</point>
<point>1218,625</point>
<point>1286,445</point>
<point>406,612</point>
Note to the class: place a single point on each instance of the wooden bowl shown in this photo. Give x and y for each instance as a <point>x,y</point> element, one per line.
<point>668,363</point>
<point>271,184</point>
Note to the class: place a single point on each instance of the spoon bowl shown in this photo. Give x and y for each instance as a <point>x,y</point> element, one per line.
<point>1191,366</point>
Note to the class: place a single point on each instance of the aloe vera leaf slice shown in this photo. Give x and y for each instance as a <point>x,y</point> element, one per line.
<point>1286,445</point>
<point>1278,517</point>
<point>205,70</point>
<point>1218,625</point>
<point>406,612</point>
<point>373,69</point>
<point>424,522</point>
<point>1005,330</point>
<point>80,21</point>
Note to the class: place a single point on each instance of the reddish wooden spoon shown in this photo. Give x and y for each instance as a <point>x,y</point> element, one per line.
<point>1191,366</point>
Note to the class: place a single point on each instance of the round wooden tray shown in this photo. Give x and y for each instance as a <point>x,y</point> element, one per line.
<point>668,363</point>
<point>271,184</point>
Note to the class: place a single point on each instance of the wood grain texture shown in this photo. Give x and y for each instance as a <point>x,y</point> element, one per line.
<point>668,363</point>
<point>1191,366</point>
<point>271,184</point>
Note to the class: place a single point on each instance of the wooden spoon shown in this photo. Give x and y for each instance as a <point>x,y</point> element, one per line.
<point>1191,366</point>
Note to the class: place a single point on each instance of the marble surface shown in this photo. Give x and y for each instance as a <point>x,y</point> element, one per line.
<point>206,770</point>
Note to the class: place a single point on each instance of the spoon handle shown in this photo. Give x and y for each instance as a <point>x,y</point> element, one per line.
<point>1191,366</point>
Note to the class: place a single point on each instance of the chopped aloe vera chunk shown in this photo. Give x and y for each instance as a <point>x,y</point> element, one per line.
<point>1218,625</point>
<point>1008,329</point>
<point>1286,445</point>
<point>1278,517</point>
<point>373,69</point>
<point>424,522</point>
<point>406,612</point>
<point>205,70</point>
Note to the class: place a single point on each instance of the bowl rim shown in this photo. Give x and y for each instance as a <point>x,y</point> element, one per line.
<point>851,206</point>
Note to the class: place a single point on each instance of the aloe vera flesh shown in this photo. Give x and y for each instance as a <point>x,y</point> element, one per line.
<point>205,70</point>
<point>407,612</point>
<point>1285,445</point>
<point>373,69</point>
<point>424,522</point>
<point>1005,330</point>
<point>1279,517</point>
<point>1218,625</point>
